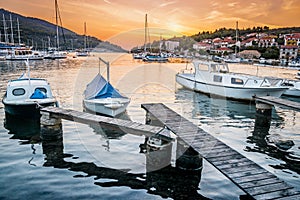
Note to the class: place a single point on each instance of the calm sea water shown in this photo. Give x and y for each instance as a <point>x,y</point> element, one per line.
<point>92,163</point>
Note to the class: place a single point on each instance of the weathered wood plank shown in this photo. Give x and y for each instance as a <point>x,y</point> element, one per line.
<point>256,183</point>
<point>250,177</point>
<point>277,194</point>
<point>245,179</point>
<point>279,102</point>
<point>247,173</point>
<point>107,122</point>
<point>268,188</point>
<point>292,197</point>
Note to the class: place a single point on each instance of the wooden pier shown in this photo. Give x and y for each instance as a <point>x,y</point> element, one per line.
<point>105,122</point>
<point>279,102</point>
<point>254,180</point>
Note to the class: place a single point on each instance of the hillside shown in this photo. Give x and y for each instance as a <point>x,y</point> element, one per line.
<point>37,33</point>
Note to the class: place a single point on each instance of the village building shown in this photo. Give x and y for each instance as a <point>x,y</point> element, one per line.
<point>288,53</point>
<point>267,41</point>
<point>202,46</point>
<point>222,50</point>
<point>249,54</point>
<point>292,39</point>
<point>171,45</point>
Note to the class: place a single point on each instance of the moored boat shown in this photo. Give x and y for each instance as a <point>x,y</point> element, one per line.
<point>215,79</point>
<point>23,53</point>
<point>102,98</point>
<point>24,96</point>
<point>294,88</point>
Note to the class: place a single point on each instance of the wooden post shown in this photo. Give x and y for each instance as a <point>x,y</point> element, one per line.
<point>263,109</point>
<point>51,128</point>
<point>187,157</point>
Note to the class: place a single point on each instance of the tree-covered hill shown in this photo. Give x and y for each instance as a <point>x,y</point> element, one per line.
<point>38,33</point>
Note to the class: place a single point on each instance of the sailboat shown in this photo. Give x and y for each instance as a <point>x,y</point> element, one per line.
<point>102,98</point>
<point>55,53</point>
<point>83,52</point>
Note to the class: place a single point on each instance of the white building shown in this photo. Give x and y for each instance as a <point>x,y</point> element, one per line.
<point>288,52</point>
<point>171,45</point>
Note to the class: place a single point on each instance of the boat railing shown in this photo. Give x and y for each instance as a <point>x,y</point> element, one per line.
<point>187,71</point>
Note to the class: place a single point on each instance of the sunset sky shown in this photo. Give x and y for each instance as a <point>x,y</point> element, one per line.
<point>119,20</point>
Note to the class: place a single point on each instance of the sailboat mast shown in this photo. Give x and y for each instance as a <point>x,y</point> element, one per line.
<point>84,35</point>
<point>4,27</point>
<point>11,30</point>
<point>56,21</point>
<point>146,27</point>
<point>19,37</point>
<point>236,38</point>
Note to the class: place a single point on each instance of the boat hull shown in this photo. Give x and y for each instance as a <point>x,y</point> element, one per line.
<point>31,111</point>
<point>239,93</point>
<point>108,106</point>
<point>292,92</point>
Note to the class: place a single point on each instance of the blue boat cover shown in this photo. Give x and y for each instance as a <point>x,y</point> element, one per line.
<point>38,94</point>
<point>99,88</point>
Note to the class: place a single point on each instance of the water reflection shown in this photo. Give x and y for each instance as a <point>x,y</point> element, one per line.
<point>23,129</point>
<point>278,148</point>
<point>240,115</point>
<point>167,182</point>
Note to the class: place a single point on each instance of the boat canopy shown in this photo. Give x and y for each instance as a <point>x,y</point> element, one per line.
<point>38,94</point>
<point>99,88</point>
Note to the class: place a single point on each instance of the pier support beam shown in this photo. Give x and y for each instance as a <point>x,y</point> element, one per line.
<point>263,109</point>
<point>51,127</point>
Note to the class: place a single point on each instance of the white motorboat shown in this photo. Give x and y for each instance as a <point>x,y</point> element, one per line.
<point>23,53</point>
<point>102,98</point>
<point>215,79</point>
<point>24,96</point>
<point>294,88</point>
<point>56,55</point>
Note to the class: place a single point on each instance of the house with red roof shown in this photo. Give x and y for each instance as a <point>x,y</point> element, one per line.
<point>292,39</point>
<point>267,41</point>
<point>222,50</point>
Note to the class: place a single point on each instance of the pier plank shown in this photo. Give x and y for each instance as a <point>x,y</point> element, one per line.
<point>279,102</point>
<point>108,122</point>
<point>247,175</point>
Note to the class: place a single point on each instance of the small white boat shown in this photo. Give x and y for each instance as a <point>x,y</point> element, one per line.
<point>53,55</point>
<point>294,64</point>
<point>24,96</point>
<point>298,75</point>
<point>294,88</point>
<point>102,98</point>
<point>215,79</point>
<point>82,53</point>
<point>155,58</point>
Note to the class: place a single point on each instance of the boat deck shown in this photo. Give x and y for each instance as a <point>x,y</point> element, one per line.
<point>254,180</point>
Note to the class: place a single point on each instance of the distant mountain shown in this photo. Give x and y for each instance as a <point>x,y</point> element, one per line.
<point>38,33</point>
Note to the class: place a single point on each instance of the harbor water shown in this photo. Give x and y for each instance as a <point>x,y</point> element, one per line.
<point>89,162</point>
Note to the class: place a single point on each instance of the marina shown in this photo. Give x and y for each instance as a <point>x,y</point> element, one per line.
<point>115,164</point>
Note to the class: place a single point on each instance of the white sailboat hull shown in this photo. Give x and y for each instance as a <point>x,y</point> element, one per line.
<point>107,106</point>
